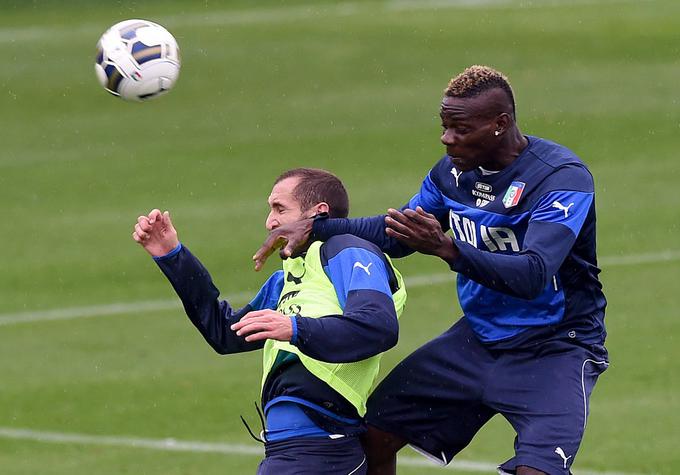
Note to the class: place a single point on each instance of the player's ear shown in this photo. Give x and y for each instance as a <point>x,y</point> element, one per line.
<point>321,208</point>
<point>503,122</point>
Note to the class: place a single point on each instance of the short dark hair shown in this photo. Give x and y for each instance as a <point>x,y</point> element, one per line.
<point>478,79</point>
<point>316,186</point>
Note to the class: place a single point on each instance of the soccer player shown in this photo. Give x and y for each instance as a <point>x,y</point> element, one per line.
<point>322,323</point>
<point>530,345</point>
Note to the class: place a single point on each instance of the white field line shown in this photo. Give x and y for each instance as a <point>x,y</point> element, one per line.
<point>523,4</point>
<point>170,304</point>
<point>9,34</point>
<point>174,445</point>
<point>157,305</point>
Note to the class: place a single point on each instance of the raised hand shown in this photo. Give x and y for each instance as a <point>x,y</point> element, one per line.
<point>155,233</point>
<point>421,232</point>
<point>289,238</point>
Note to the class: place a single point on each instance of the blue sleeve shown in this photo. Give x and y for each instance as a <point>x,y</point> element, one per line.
<point>372,228</point>
<point>268,296</point>
<point>368,325</point>
<point>200,298</point>
<point>554,225</point>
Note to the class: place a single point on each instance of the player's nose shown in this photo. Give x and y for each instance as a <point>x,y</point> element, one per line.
<point>447,137</point>
<point>271,223</point>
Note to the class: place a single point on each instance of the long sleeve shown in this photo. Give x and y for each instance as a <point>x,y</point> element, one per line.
<point>200,298</point>
<point>368,325</point>
<point>550,236</point>
<point>372,228</point>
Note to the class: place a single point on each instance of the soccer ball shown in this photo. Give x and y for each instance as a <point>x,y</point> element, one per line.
<point>137,60</point>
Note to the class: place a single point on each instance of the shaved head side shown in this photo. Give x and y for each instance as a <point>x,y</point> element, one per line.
<point>477,80</point>
<point>316,186</point>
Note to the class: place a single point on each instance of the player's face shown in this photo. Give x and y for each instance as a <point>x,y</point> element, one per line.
<point>283,207</point>
<point>468,132</point>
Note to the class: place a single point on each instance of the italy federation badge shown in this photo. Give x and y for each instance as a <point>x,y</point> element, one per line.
<point>513,194</point>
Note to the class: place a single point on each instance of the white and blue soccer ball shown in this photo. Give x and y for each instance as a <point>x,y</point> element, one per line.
<point>137,60</point>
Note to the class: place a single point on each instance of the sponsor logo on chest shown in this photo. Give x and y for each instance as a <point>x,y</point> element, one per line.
<point>482,191</point>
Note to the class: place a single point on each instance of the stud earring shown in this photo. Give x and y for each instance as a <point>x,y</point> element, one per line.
<point>497,133</point>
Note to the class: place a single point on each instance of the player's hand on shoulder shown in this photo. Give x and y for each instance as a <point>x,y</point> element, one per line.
<point>156,233</point>
<point>288,238</point>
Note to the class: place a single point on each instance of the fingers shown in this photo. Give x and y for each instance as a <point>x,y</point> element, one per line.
<point>253,325</point>
<point>398,222</point>
<point>394,234</point>
<point>271,244</point>
<point>251,316</point>
<point>154,215</point>
<point>288,238</point>
<point>419,215</point>
<point>145,224</point>
<point>142,231</point>
<point>144,221</point>
<point>289,248</point>
<point>256,326</point>
<point>422,212</point>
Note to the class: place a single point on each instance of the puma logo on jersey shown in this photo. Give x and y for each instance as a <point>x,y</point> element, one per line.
<point>561,453</point>
<point>456,174</point>
<point>361,266</point>
<point>558,205</point>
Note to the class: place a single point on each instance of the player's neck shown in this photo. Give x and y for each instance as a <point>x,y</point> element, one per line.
<point>512,146</point>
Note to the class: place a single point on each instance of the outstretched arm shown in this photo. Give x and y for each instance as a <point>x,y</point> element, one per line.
<point>193,284</point>
<point>289,239</point>
<point>525,274</point>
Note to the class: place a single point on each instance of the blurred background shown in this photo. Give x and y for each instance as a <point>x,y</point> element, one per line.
<point>101,372</point>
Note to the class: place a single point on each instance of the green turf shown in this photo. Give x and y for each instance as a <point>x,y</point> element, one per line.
<point>352,87</point>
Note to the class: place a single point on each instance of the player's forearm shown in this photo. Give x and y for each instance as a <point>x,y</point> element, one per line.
<point>367,327</point>
<point>518,275</point>
<point>526,274</point>
<point>369,228</point>
<point>200,298</point>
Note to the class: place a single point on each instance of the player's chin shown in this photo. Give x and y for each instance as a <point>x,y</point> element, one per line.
<point>463,164</point>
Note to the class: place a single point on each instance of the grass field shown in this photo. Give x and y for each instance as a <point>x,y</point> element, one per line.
<point>98,364</point>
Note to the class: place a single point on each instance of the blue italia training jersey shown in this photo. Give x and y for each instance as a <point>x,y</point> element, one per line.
<point>527,269</point>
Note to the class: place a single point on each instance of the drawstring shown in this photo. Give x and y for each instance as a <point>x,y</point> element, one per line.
<point>259,413</point>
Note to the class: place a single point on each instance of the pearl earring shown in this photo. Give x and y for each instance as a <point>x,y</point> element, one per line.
<point>497,133</point>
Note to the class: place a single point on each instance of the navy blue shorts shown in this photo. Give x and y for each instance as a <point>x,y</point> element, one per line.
<point>313,456</point>
<point>442,394</point>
